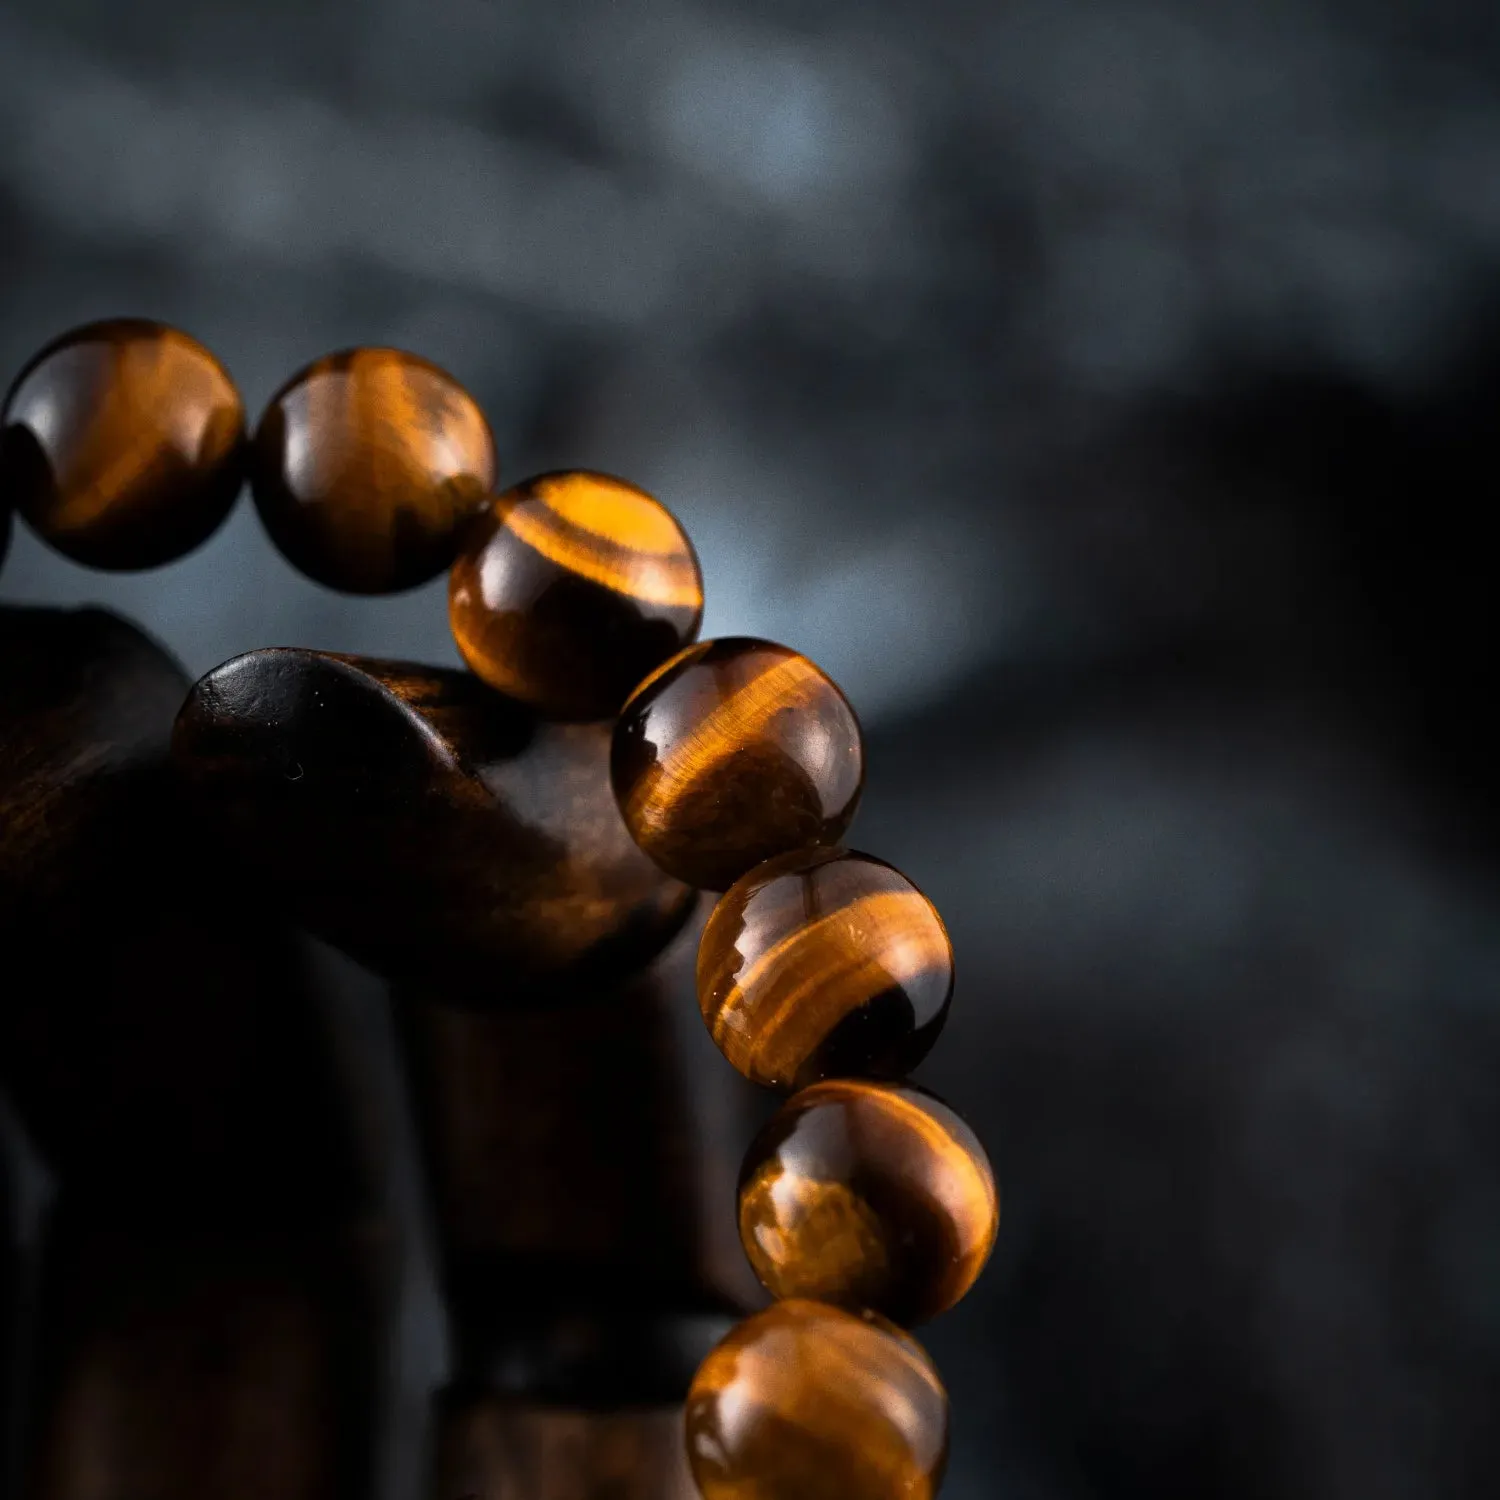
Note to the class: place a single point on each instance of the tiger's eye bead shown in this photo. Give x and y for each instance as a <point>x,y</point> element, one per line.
<point>734,751</point>
<point>823,963</point>
<point>367,466</point>
<point>868,1195</point>
<point>807,1402</point>
<point>122,444</point>
<point>570,590</point>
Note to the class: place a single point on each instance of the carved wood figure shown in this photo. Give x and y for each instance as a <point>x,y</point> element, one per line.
<point>424,823</point>
<point>213,1309</point>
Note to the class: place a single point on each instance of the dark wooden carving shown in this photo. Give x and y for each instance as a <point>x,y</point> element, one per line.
<point>582,1163</point>
<point>490,1448</point>
<point>214,1311</point>
<point>242,1366</point>
<point>425,824</point>
<point>152,1000</point>
<point>214,1307</point>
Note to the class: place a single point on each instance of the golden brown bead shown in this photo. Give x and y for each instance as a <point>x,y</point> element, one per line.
<point>367,466</point>
<point>823,963</point>
<point>570,590</point>
<point>808,1402</point>
<point>736,750</point>
<point>868,1195</point>
<point>122,444</point>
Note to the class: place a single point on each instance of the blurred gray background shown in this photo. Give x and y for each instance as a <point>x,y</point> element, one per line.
<point>1105,394</point>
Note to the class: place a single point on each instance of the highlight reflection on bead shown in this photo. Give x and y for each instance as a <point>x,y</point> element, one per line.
<point>868,1195</point>
<point>821,963</point>
<point>808,1402</point>
<point>366,468</point>
<point>122,443</point>
<point>572,588</point>
<point>734,751</point>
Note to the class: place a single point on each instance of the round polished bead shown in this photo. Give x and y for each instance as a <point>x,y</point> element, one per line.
<point>122,443</point>
<point>734,751</point>
<point>868,1195</point>
<point>366,468</point>
<point>806,1402</point>
<point>823,963</point>
<point>570,590</point>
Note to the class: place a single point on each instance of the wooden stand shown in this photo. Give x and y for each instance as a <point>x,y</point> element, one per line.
<point>583,1162</point>
<point>215,1294</point>
<point>216,1308</point>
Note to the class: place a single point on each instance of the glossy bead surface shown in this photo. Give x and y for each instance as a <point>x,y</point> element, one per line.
<point>122,444</point>
<point>823,963</point>
<point>808,1402</point>
<point>366,468</point>
<point>571,589</point>
<point>868,1195</point>
<point>736,750</point>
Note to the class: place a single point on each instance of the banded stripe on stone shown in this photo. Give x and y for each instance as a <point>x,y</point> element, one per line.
<point>609,532</point>
<point>367,467</point>
<point>571,589</point>
<point>868,1195</point>
<point>824,962</point>
<point>807,1399</point>
<point>779,685</point>
<point>735,751</point>
<point>122,443</point>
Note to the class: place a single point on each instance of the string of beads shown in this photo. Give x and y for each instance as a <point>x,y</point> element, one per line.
<point>866,1204</point>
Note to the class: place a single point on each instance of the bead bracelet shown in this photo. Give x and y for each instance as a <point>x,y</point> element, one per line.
<point>865,1205</point>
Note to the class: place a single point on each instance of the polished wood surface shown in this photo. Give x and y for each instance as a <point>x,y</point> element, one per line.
<point>366,467</point>
<point>213,1313</point>
<point>160,1036</point>
<point>582,1163</point>
<point>807,1402</point>
<point>491,1448</point>
<point>245,1368</point>
<point>821,963</point>
<point>425,824</point>
<point>86,707</point>
<point>571,589</point>
<point>206,1324</point>
<point>734,751</point>
<point>868,1195</point>
<point>122,443</point>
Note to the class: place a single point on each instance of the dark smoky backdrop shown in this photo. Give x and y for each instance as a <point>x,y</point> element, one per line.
<point>1104,392</point>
